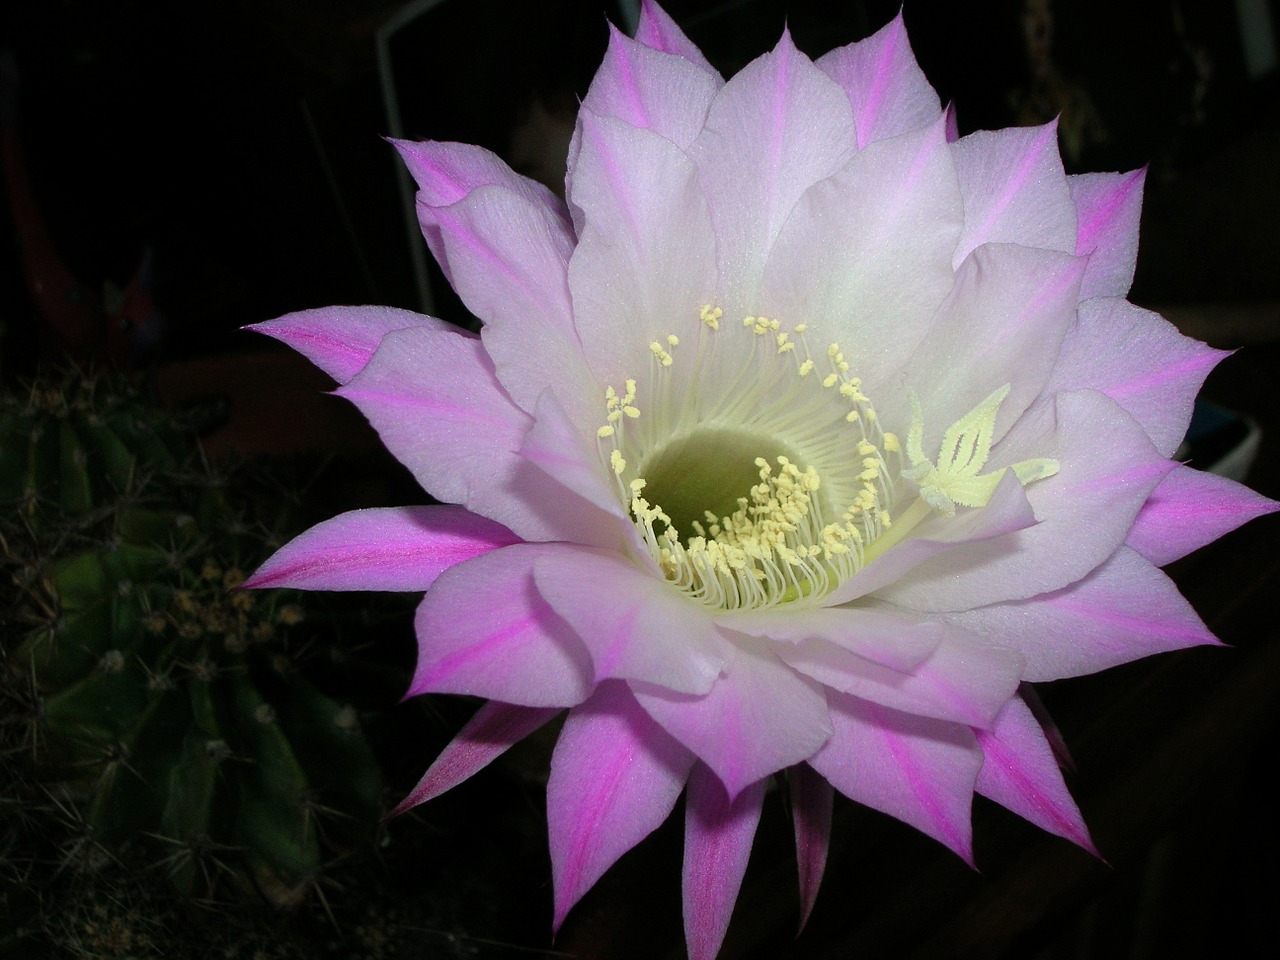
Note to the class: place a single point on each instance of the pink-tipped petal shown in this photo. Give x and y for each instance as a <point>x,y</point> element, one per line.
<point>778,127</point>
<point>447,172</point>
<point>1124,610</point>
<point>919,770</point>
<point>1108,206</point>
<point>483,630</point>
<point>504,242</point>
<point>1140,361</point>
<point>509,260</point>
<point>340,340</point>
<point>634,624</point>
<point>435,401</point>
<point>615,776</point>
<point>1189,509</point>
<point>718,835</point>
<point>495,728</point>
<point>886,87</point>
<point>1015,190</point>
<point>1057,742</point>
<point>392,548</point>
<point>811,806</point>
<point>657,30</point>
<point>1019,772</point>
<point>648,88</point>
<point>760,716</point>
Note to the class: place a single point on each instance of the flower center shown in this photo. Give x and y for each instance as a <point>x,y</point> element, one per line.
<point>755,480</point>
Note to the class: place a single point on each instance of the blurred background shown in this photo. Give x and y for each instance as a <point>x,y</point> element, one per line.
<point>174,172</point>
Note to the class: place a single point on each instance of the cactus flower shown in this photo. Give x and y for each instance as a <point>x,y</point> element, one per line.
<point>795,442</point>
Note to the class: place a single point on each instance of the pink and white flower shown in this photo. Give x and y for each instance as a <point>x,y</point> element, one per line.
<point>797,441</point>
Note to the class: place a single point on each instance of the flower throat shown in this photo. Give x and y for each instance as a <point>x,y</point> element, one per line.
<point>769,496</point>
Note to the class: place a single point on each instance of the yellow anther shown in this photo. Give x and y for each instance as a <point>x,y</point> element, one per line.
<point>833,350</point>
<point>806,368</point>
<point>830,380</point>
<point>891,443</point>
<point>631,412</point>
<point>617,462</point>
<point>673,340</point>
<point>605,431</point>
<point>801,327</point>
<point>711,316</point>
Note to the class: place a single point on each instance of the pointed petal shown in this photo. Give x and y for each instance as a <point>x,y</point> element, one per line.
<point>1014,190</point>
<point>504,241</point>
<point>657,30</point>
<point>615,776</point>
<point>340,340</point>
<point>483,630</point>
<point>494,729</point>
<point>512,273</point>
<point>778,127</point>
<point>967,679</point>
<point>1019,772</point>
<point>1108,468</point>
<point>919,770</point>
<point>433,398</point>
<point>865,256</point>
<point>1124,610</point>
<point>634,624</point>
<point>1139,360</point>
<point>447,172</point>
<point>392,548</point>
<point>1108,206</point>
<point>876,631</point>
<point>645,260</point>
<point>1002,322</point>
<point>1057,742</point>
<point>758,718</point>
<point>811,806</point>
<point>718,834</point>
<point>1190,509</point>
<point>888,90</point>
<point>653,90</point>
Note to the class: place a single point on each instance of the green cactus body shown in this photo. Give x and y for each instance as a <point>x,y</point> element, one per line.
<point>76,442</point>
<point>176,708</point>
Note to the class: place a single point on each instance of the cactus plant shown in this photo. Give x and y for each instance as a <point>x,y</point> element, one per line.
<point>175,711</point>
